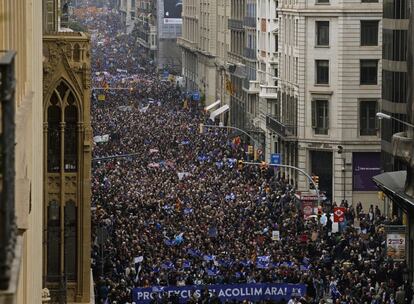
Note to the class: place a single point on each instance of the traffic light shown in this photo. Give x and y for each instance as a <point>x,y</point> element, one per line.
<point>250,150</point>
<point>240,165</point>
<point>201,128</point>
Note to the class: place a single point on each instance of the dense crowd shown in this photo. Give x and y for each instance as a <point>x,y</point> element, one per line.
<point>179,210</point>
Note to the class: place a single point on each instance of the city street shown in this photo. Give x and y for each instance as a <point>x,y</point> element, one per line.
<point>179,219</point>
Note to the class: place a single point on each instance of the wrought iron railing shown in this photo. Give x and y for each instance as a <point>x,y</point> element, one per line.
<point>249,53</point>
<point>7,171</point>
<point>249,21</point>
<point>280,128</point>
<point>235,24</point>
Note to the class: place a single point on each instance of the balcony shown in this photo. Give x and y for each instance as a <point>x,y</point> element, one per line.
<point>274,57</point>
<point>276,126</point>
<point>143,41</point>
<point>187,44</point>
<point>235,24</point>
<point>8,231</point>
<point>251,87</point>
<point>249,53</point>
<point>268,91</point>
<point>249,22</point>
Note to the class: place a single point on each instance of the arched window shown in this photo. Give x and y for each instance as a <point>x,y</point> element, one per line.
<point>53,134</point>
<point>70,240</point>
<point>76,53</point>
<point>62,97</point>
<point>62,88</point>
<point>53,242</point>
<point>71,147</point>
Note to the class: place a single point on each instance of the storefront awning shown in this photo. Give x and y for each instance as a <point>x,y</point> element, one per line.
<point>214,104</point>
<point>219,111</point>
<point>393,184</point>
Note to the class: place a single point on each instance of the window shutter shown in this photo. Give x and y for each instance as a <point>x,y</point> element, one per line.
<point>313,114</point>
<point>377,126</point>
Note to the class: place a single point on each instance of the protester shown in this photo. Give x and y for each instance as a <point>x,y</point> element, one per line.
<point>180,211</point>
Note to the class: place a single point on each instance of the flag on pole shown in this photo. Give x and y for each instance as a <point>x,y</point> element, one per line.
<point>138,261</point>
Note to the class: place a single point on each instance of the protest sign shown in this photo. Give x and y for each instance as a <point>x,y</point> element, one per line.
<point>396,242</point>
<point>101,139</point>
<point>182,175</point>
<point>275,235</point>
<point>238,292</point>
<point>339,214</point>
<point>307,208</point>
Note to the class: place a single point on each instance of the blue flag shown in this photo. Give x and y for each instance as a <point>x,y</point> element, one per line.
<point>263,262</point>
<point>209,258</point>
<point>212,272</point>
<point>167,265</point>
<point>186,264</point>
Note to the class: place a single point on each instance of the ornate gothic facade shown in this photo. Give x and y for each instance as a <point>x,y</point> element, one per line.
<point>67,166</point>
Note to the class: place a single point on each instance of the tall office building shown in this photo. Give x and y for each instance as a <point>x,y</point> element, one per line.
<point>397,182</point>
<point>169,27</point>
<point>67,136</point>
<point>21,149</point>
<point>330,91</point>
<point>204,44</point>
<point>394,70</point>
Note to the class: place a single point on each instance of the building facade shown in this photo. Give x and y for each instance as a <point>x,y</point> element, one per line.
<point>238,78</point>
<point>397,182</point>
<point>266,110</point>
<point>21,225</point>
<point>127,9</point>
<point>329,93</point>
<point>67,137</point>
<point>146,26</point>
<point>204,44</point>
<point>169,27</point>
<point>394,70</point>
<point>250,84</point>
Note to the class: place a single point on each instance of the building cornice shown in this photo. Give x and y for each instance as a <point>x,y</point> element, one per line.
<point>332,12</point>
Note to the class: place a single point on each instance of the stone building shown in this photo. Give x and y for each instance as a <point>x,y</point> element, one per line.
<point>204,44</point>
<point>266,111</point>
<point>329,93</point>
<point>67,137</point>
<point>21,169</point>
<point>127,9</point>
<point>146,26</point>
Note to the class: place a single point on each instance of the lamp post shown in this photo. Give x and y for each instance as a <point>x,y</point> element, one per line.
<point>294,168</point>
<point>381,116</point>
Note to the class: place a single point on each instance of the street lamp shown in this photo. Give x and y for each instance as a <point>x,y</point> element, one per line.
<point>294,168</point>
<point>381,116</point>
